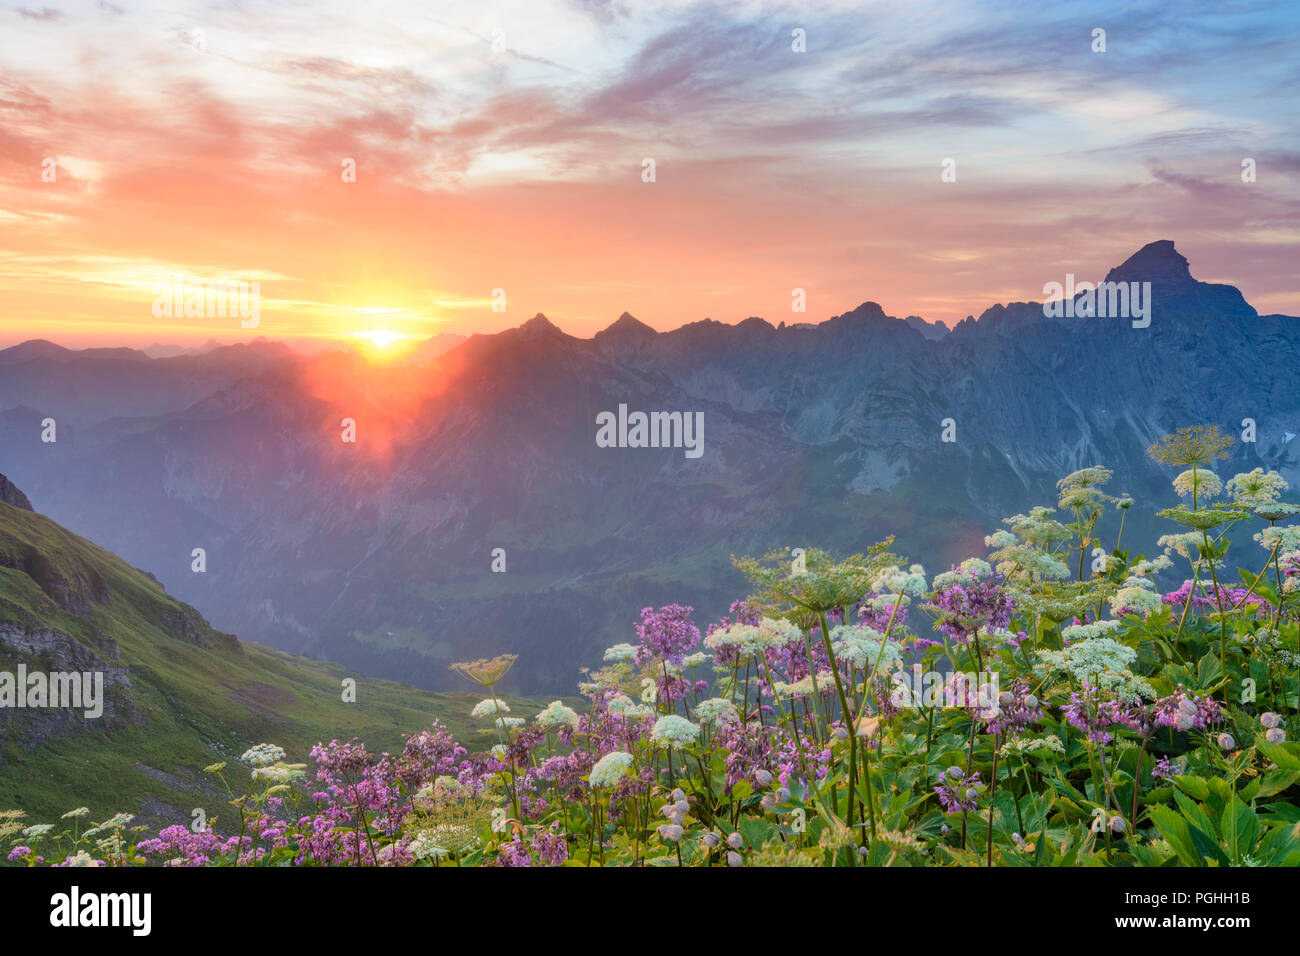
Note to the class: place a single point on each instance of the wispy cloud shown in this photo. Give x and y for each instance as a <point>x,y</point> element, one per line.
<point>500,145</point>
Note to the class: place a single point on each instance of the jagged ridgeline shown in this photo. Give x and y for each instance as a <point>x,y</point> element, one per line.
<point>177,694</point>
<point>379,554</point>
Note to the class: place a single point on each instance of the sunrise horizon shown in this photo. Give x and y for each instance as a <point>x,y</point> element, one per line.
<point>673,162</point>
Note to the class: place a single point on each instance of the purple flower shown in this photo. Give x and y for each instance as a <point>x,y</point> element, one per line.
<point>1165,769</point>
<point>965,608</point>
<point>1091,715</point>
<point>957,791</point>
<point>668,633</point>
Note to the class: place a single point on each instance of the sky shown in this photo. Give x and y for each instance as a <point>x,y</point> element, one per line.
<point>502,147</point>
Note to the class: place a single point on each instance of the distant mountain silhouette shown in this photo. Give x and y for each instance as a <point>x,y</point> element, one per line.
<point>379,554</point>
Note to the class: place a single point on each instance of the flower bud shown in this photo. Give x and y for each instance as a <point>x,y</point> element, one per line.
<point>711,840</point>
<point>1227,742</point>
<point>1187,706</point>
<point>1183,721</point>
<point>1031,701</point>
<point>682,807</point>
<point>783,795</point>
<point>735,841</point>
<point>1118,824</point>
<point>1270,720</point>
<point>678,795</point>
<point>762,777</point>
<point>768,803</point>
<point>1006,699</point>
<point>670,832</point>
<point>733,859</point>
<point>1275,735</point>
<point>841,733</point>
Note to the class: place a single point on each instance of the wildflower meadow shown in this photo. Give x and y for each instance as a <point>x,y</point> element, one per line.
<point>1067,698</point>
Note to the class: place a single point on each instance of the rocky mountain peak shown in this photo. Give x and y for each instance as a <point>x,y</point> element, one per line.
<point>625,332</point>
<point>537,325</point>
<point>1156,262</point>
<point>10,494</point>
<point>1174,290</point>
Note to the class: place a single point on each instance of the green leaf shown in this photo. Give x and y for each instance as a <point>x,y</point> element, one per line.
<point>1286,756</point>
<point>1273,782</point>
<point>1194,786</point>
<point>1195,815</point>
<point>1207,847</point>
<point>1240,829</point>
<point>1208,669</point>
<point>1177,831</point>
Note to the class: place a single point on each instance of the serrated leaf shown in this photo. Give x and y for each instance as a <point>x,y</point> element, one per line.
<point>1178,833</point>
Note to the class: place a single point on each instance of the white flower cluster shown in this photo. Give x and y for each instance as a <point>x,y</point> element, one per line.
<point>1039,528</point>
<point>895,581</point>
<point>717,711</point>
<point>1142,568</point>
<point>1292,582</point>
<point>1256,488</point>
<point>278,775</point>
<point>490,708</point>
<point>425,845</point>
<point>970,571</point>
<point>620,652</point>
<point>1102,662</point>
<point>623,706</point>
<point>750,640</point>
<point>863,645</point>
<point>1183,544</point>
<point>674,731</point>
<point>611,768</point>
<point>1000,539</point>
<point>557,714</point>
<point>1023,561</point>
<point>1134,600</point>
<point>1201,481</point>
<point>1084,632</point>
<point>263,755</point>
<point>1284,537</point>
<point>804,687</point>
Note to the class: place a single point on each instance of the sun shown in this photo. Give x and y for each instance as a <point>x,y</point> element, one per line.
<point>381,338</point>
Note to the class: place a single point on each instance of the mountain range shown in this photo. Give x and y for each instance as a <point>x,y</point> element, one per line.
<point>379,554</point>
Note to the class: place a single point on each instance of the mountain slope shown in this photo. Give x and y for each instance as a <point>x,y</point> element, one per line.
<point>179,695</point>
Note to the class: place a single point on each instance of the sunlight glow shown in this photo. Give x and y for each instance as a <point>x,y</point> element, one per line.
<point>381,338</point>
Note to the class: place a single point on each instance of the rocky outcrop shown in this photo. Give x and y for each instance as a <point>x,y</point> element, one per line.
<point>11,495</point>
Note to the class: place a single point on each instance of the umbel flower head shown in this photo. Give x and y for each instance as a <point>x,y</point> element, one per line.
<point>815,582</point>
<point>486,672</point>
<point>1256,488</point>
<point>1202,519</point>
<point>1193,445</point>
<point>1082,489</point>
<point>263,755</point>
<point>557,714</point>
<point>1200,482</point>
<point>750,640</point>
<point>674,731</point>
<point>610,769</point>
<point>490,707</point>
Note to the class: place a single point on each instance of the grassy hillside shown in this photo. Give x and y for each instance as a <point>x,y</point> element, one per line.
<point>181,694</point>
